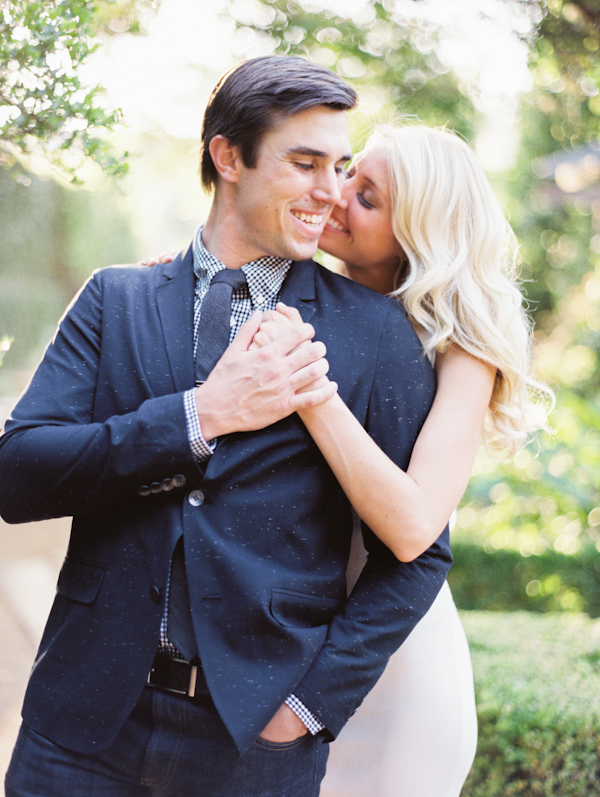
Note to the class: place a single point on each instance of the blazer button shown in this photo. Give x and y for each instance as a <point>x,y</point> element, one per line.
<point>143,490</point>
<point>178,480</point>
<point>155,487</point>
<point>167,485</point>
<point>155,593</point>
<point>196,498</point>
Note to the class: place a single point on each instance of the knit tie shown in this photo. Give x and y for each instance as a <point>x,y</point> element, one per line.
<point>215,320</point>
<point>213,339</point>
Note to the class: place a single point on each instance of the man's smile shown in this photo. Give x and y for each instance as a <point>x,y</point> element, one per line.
<point>314,220</point>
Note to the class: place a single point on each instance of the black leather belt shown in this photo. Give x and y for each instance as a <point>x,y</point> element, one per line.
<point>178,677</point>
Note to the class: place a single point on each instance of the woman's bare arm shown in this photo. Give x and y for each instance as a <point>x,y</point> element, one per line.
<point>409,510</point>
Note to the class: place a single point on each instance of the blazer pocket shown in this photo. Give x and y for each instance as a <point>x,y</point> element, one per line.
<point>79,581</point>
<point>300,610</point>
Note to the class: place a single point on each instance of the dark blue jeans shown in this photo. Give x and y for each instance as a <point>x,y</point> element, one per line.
<point>169,747</point>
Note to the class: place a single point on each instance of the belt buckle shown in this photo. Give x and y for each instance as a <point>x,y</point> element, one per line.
<point>191,687</point>
<point>193,678</point>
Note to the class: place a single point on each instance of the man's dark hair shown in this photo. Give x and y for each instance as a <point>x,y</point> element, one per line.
<point>249,99</point>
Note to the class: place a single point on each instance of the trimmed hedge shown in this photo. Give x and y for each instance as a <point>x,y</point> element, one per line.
<point>505,580</point>
<point>537,683</point>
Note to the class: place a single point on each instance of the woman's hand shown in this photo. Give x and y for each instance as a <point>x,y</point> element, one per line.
<point>277,322</point>
<point>153,261</point>
<point>249,390</point>
<point>274,323</point>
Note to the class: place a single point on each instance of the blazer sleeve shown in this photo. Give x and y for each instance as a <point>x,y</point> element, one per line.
<point>55,460</point>
<point>390,596</point>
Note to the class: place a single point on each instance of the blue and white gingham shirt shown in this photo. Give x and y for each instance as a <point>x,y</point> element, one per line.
<point>264,279</point>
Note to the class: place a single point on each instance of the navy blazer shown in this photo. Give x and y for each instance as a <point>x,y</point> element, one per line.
<point>266,551</point>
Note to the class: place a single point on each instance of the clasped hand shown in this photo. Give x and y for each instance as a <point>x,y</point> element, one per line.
<point>272,369</point>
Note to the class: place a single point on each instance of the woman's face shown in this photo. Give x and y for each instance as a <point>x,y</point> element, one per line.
<point>361,234</point>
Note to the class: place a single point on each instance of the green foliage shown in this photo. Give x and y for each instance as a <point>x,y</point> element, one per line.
<point>566,70</point>
<point>45,107</point>
<point>53,238</point>
<point>538,694</point>
<point>504,580</point>
<point>542,499</point>
<point>555,223</point>
<point>528,532</point>
<point>548,497</point>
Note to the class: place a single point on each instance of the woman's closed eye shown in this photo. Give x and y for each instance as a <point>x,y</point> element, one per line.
<point>363,201</point>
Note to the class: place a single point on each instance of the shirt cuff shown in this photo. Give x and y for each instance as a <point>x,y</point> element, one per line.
<point>307,717</point>
<point>201,449</point>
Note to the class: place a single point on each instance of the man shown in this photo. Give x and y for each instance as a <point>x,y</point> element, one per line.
<point>206,522</point>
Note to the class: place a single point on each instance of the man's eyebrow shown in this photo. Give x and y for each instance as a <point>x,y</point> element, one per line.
<point>313,153</point>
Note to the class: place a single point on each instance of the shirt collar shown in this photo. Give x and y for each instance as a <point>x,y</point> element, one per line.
<point>264,276</point>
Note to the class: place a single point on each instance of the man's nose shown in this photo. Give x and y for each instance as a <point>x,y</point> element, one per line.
<point>327,187</point>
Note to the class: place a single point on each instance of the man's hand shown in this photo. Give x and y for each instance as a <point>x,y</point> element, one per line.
<point>286,726</point>
<point>250,389</point>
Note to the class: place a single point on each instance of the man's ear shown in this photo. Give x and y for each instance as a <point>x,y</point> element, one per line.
<point>226,158</point>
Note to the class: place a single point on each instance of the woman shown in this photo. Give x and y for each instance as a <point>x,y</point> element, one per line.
<point>418,220</point>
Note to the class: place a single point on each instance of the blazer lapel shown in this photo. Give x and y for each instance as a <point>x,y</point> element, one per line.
<point>175,302</point>
<point>299,288</point>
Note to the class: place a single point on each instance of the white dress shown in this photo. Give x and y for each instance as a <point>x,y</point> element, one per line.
<point>416,732</point>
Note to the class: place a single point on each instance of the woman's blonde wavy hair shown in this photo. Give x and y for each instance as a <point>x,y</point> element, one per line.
<point>459,281</point>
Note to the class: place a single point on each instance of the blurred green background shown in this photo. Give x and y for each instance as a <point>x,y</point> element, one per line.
<point>83,184</point>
